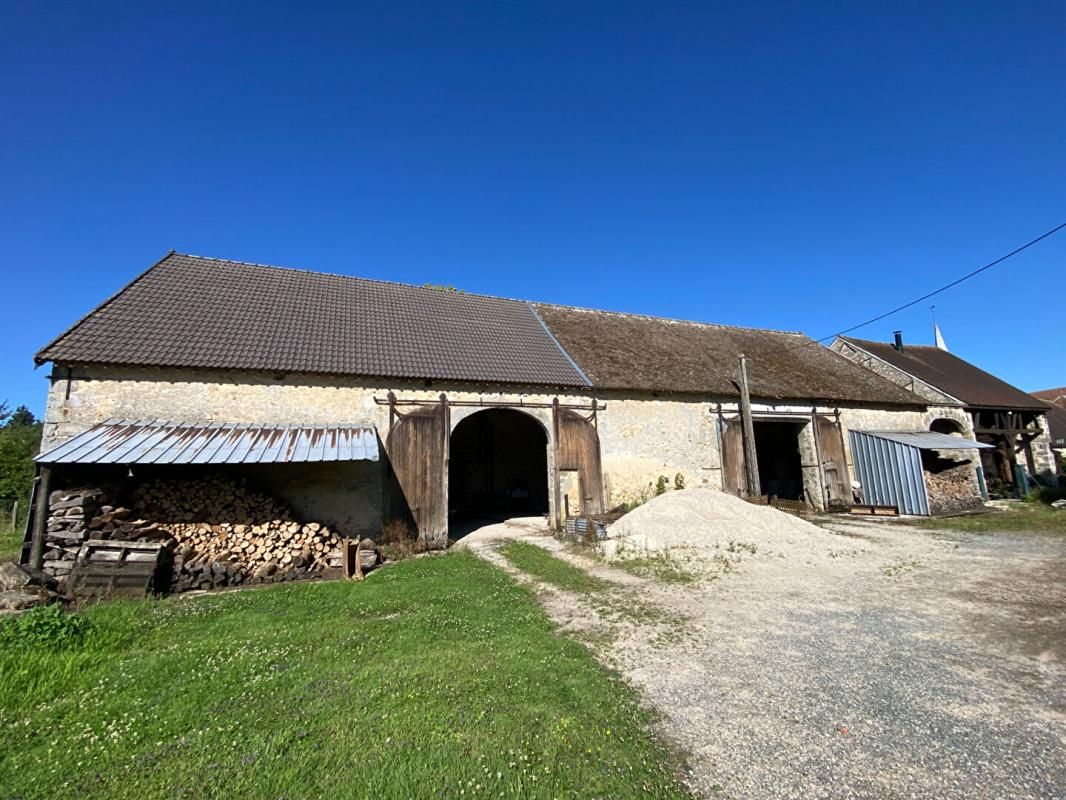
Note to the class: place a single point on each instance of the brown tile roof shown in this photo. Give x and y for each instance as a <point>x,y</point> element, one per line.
<point>1056,396</point>
<point>194,312</point>
<point>189,311</point>
<point>949,373</point>
<point>1056,422</point>
<point>629,351</point>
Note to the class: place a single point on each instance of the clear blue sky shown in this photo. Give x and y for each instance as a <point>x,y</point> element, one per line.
<point>789,166</point>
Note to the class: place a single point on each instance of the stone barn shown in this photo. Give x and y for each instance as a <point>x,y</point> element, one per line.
<point>480,407</point>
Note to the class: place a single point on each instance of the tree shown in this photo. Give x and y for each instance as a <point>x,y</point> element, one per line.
<point>21,417</point>
<point>20,439</point>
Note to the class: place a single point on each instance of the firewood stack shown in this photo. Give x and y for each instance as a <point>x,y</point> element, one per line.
<point>222,533</point>
<point>226,534</point>
<point>69,512</point>
<point>953,490</point>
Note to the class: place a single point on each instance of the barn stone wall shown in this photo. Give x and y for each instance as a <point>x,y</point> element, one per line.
<point>641,436</point>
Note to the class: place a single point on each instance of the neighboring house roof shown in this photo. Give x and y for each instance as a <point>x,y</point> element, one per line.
<point>1056,423</point>
<point>946,371</point>
<point>1056,396</point>
<point>194,312</point>
<point>629,351</point>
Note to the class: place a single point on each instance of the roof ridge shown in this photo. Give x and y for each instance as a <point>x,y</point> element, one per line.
<point>637,315</point>
<point>906,346</point>
<point>381,281</point>
<point>38,356</point>
<point>385,282</point>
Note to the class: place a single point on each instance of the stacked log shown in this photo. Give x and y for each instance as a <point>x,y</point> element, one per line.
<point>69,514</point>
<point>221,532</point>
<point>953,489</point>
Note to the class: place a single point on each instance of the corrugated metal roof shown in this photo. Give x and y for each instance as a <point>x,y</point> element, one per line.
<point>928,440</point>
<point>162,442</point>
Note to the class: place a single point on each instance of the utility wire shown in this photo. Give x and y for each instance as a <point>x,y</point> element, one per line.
<point>933,293</point>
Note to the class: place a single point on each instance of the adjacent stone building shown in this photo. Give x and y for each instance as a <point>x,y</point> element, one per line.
<point>484,406</point>
<point>966,401</point>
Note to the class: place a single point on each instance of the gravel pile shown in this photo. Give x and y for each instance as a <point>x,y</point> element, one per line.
<point>702,522</point>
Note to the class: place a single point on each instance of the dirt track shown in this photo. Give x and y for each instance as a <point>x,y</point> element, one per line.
<point>908,665</point>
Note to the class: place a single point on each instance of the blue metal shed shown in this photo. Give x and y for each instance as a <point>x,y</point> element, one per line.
<point>889,465</point>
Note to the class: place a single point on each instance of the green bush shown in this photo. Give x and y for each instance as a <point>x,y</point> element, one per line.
<point>679,481</point>
<point>661,484</point>
<point>46,627</point>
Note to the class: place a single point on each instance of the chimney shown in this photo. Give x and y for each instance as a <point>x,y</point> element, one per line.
<point>899,341</point>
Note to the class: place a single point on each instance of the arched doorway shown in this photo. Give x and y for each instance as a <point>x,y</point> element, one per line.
<point>498,467</point>
<point>945,425</point>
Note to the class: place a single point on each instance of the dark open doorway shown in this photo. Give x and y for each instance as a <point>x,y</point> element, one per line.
<point>498,467</point>
<point>777,450</point>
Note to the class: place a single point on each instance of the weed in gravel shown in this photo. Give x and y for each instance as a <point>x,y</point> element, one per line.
<point>667,566</point>
<point>611,601</point>
<point>900,566</point>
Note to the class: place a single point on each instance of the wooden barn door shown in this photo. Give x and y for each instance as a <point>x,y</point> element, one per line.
<point>834,463</point>
<point>418,452</point>
<point>578,448</point>
<point>731,442</point>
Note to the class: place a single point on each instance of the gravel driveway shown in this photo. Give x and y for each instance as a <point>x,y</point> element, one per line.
<point>909,665</point>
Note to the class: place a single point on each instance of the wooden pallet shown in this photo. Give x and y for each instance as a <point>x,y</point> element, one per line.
<point>796,508</point>
<point>874,511</point>
<point>106,568</point>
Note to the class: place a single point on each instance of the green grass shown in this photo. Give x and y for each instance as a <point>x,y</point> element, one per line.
<point>662,566</point>
<point>436,677</point>
<point>10,542</point>
<point>1034,517</point>
<point>613,602</point>
<point>543,565</point>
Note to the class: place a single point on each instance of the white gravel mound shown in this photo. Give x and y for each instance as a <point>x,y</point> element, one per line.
<point>703,522</point>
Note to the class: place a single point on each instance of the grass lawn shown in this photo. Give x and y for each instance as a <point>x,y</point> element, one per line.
<point>1028,516</point>
<point>541,564</point>
<point>436,677</point>
<point>10,542</point>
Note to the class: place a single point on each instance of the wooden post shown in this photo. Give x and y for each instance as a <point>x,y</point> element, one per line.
<point>40,517</point>
<point>560,521</point>
<point>14,515</point>
<point>751,462</point>
<point>818,458</point>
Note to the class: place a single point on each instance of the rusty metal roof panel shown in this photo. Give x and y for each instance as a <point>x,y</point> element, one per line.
<point>162,442</point>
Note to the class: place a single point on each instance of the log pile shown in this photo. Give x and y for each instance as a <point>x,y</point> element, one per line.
<point>69,513</point>
<point>221,532</point>
<point>953,489</point>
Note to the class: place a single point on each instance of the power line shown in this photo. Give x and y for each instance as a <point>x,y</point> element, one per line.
<point>933,293</point>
